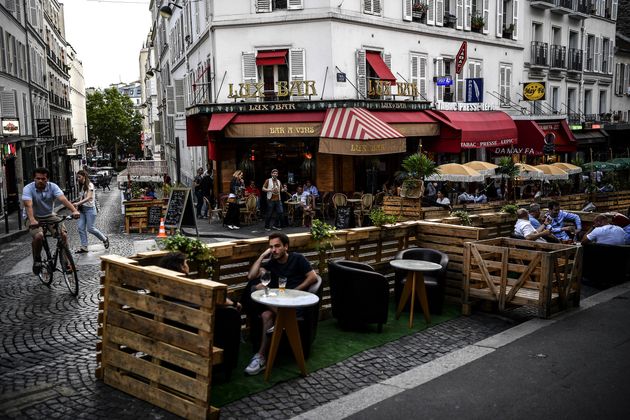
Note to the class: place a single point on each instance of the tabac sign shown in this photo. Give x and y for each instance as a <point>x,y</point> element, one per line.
<point>534,91</point>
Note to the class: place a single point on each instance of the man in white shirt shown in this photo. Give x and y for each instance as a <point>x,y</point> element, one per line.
<point>524,228</point>
<point>602,232</point>
<point>442,200</point>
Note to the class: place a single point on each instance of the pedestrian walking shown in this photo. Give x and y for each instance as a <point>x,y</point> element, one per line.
<point>87,208</point>
<point>198,192</point>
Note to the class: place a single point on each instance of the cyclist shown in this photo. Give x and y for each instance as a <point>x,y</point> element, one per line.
<point>39,198</point>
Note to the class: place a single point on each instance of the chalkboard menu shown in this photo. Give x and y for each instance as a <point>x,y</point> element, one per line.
<point>344,218</point>
<point>180,210</point>
<point>154,214</point>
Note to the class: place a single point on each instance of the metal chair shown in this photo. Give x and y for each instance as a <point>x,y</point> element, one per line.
<point>248,213</point>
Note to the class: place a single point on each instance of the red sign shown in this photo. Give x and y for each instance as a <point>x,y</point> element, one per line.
<point>461,57</point>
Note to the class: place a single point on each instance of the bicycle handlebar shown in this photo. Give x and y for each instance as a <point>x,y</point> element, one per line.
<point>45,224</point>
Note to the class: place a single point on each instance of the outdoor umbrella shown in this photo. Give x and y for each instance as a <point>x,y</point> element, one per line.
<point>456,173</point>
<point>529,172</point>
<point>600,166</point>
<point>568,168</point>
<point>484,168</point>
<point>622,163</point>
<point>552,172</point>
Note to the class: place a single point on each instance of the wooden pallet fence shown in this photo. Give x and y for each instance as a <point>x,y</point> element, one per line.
<point>157,336</point>
<point>403,208</point>
<point>136,215</point>
<point>519,272</point>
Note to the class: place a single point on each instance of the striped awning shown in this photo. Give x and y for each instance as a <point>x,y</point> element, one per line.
<point>356,131</point>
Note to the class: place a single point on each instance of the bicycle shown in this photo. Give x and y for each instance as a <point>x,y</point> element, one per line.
<point>62,254</point>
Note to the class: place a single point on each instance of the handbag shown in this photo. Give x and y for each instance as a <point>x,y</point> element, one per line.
<point>80,207</point>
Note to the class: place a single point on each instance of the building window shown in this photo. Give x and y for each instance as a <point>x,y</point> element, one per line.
<point>472,70</point>
<point>588,102</point>
<point>443,69</point>
<point>590,52</point>
<point>266,6</point>
<point>372,7</point>
<point>555,99</point>
<point>603,103</point>
<point>505,84</point>
<point>419,74</point>
<point>271,67</point>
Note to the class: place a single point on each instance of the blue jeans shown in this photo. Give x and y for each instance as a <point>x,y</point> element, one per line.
<point>86,224</point>
<point>271,205</point>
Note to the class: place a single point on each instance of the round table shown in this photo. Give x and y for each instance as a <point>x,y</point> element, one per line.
<point>286,320</point>
<point>414,285</point>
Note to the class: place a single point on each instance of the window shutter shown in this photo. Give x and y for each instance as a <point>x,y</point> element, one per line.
<point>295,4</point>
<point>515,18</point>
<point>467,14</point>
<point>617,78</point>
<point>613,10</point>
<point>361,74</point>
<point>439,71</point>
<point>297,64</point>
<point>499,29</point>
<point>486,16</point>
<point>250,71</point>
<point>626,80</point>
<point>508,84</point>
<point>598,54</point>
<point>10,5</point>
<point>157,132</point>
<point>439,12</point>
<point>32,15</point>
<point>430,12</point>
<point>180,89</point>
<point>611,52</point>
<point>170,100</point>
<point>406,10</point>
<point>376,7</point>
<point>263,6</point>
<point>459,87</point>
<point>459,13</point>
<point>367,6</point>
<point>8,105</point>
<point>422,68</point>
<point>414,70</point>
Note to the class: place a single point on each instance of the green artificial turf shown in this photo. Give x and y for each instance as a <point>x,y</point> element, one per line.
<point>331,345</point>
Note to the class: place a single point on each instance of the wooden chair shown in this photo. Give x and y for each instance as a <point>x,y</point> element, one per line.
<point>378,200</point>
<point>324,205</point>
<point>307,215</point>
<point>248,213</point>
<point>339,199</point>
<point>366,205</point>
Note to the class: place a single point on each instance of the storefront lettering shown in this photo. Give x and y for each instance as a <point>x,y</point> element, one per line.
<point>284,89</point>
<point>462,106</point>
<point>271,107</point>
<point>514,151</point>
<point>384,88</point>
<point>291,130</point>
<point>369,148</point>
<point>489,143</point>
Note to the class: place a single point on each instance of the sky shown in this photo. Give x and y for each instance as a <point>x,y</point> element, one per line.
<point>107,36</point>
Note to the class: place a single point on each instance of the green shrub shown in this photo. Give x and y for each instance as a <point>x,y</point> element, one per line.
<point>509,209</point>
<point>379,218</point>
<point>463,216</point>
<point>197,251</point>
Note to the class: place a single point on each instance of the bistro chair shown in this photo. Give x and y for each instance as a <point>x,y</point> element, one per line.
<point>248,213</point>
<point>339,200</point>
<point>307,215</point>
<point>378,200</point>
<point>358,294</point>
<point>366,205</point>
<point>434,281</point>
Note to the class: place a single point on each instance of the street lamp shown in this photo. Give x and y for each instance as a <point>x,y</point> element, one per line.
<point>151,72</point>
<point>166,11</point>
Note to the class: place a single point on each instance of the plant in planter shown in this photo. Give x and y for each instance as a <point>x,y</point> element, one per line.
<point>476,23</point>
<point>379,218</point>
<point>463,216</point>
<point>324,235</point>
<point>508,170</point>
<point>416,168</point>
<point>419,8</point>
<point>509,209</point>
<point>198,253</point>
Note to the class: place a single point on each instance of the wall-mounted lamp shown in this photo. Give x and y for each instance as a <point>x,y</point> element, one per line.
<point>166,11</point>
<point>151,72</point>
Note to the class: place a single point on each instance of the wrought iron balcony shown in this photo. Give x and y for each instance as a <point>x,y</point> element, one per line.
<point>539,54</point>
<point>574,118</point>
<point>543,4</point>
<point>575,59</point>
<point>563,7</point>
<point>558,57</point>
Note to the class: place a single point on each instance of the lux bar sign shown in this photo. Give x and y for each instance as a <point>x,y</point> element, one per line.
<point>257,90</point>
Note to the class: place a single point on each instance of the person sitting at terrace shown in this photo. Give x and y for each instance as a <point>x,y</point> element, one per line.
<point>556,218</point>
<point>602,232</point>
<point>252,189</point>
<point>311,189</point>
<point>442,201</point>
<point>523,228</point>
<point>534,215</point>
<point>149,193</point>
<point>465,198</point>
<point>281,263</point>
<point>479,197</point>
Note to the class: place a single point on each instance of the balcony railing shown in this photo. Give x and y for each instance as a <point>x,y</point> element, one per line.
<point>574,118</point>
<point>575,59</point>
<point>558,57</point>
<point>567,4</point>
<point>540,52</point>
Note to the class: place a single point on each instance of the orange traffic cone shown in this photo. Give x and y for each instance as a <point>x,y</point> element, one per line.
<point>162,232</point>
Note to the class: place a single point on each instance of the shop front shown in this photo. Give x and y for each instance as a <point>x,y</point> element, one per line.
<point>344,146</point>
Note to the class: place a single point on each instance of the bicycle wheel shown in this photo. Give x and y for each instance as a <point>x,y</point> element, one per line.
<point>69,270</point>
<point>48,266</point>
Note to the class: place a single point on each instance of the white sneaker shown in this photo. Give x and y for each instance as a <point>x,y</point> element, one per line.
<point>236,227</point>
<point>256,365</point>
<point>230,227</point>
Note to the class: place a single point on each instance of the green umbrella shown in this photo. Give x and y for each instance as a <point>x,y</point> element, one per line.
<point>622,163</point>
<point>600,166</point>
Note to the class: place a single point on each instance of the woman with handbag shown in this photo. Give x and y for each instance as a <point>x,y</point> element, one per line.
<point>86,205</point>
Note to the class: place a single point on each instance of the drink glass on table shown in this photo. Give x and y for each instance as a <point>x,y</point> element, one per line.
<point>282,283</point>
<point>265,279</point>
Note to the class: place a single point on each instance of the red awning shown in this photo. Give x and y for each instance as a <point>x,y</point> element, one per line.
<point>531,138</point>
<point>404,117</point>
<point>378,65</point>
<point>271,58</point>
<point>219,121</point>
<point>473,130</point>
<point>280,117</point>
<point>196,133</point>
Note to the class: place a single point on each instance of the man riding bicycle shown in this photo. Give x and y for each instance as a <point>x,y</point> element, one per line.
<point>39,199</point>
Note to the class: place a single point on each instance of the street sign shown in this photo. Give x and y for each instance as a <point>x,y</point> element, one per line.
<point>474,90</point>
<point>444,81</point>
<point>461,57</point>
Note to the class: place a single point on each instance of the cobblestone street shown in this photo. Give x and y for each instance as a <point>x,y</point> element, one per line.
<point>48,345</point>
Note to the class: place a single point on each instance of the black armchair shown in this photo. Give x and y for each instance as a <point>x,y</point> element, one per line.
<point>358,294</point>
<point>434,281</point>
<point>227,336</point>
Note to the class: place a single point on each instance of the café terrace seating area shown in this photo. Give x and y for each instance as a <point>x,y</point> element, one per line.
<point>475,268</point>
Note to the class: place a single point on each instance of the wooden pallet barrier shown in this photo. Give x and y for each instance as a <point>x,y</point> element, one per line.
<point>519,272</point>
<point>157,336</point>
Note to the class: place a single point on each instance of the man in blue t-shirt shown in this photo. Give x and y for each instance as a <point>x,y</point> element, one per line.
<point>300,275</point>
<point>39,202</point>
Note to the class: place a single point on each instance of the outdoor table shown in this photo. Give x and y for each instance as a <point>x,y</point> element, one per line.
<point>291,205</point>
<point>286,320</point>
<point>414,285</point>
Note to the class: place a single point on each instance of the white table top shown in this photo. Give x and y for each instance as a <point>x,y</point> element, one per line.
<point>415,265</point>
<point>289,299</point>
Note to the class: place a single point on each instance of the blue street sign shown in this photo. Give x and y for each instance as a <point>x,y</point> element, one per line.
<point>444,81</point>
<point>474,90</point>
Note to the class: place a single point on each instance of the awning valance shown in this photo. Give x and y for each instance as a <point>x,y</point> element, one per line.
<point>356,131</point>
<point>271,58</point>
<point>473,130</point>
<point>410,124</point>
<point>532,134</point>
<point>219,121</point>
<point>380,68</point>
<point>591,136</point>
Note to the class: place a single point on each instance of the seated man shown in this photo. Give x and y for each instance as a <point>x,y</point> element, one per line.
<point>295,267</point>
<point>524,228</point>
<point>602,232</point>
<point>479,197</point>
<point>534,215</point>
<point>556,219</point>
<point>253,189</point>
<point>311,189</point>
<point>464,198</point>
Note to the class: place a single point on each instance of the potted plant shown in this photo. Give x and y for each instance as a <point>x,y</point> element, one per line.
<point>199,254</point>
<point>324,235</point>
<point>419,9</point>
<point>379,218</point>
<point>476,23</point>
<point>508,30</point>
<point>463,216</point>
<point>416,168</point>
<point>508,170</point>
